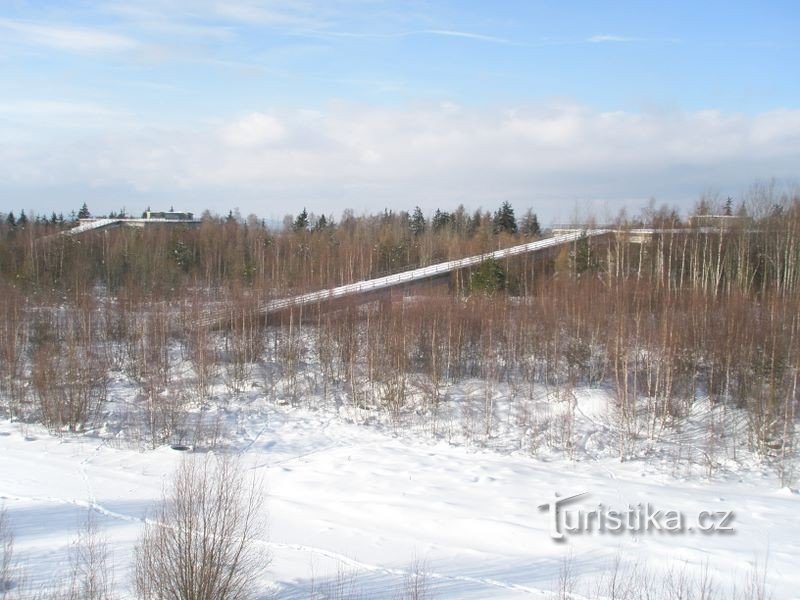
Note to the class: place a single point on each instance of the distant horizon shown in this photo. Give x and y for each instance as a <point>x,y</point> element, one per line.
<point>273,221</point>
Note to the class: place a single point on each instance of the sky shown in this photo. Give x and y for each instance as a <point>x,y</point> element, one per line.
<point>569,108</point>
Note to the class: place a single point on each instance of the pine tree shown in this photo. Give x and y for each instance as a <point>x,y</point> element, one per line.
<point>388,216</point>
<point>417,224</point>
<point>23,219</point>
<point>504,220</point>
<point>488,278</point>
<point>321,224</point>
<point>441,219</point>
<point>474,223</point>
<point>582,259</point>
<point>729,207</point>
<point>742,210</point>
<point>11,221</point>
<point>530,224</point>
<point>459,220</point>
<point>84,213</point>
<point>301,222</point>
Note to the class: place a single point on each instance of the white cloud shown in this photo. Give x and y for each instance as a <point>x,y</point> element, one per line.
<point>271,13</point>
<point>67,37</point>
<point>253,130</point>
<point>357,157</point>
<point>601,39</point>
<point>466,34</point>
<point>452,33</point>
<point>624,39</point>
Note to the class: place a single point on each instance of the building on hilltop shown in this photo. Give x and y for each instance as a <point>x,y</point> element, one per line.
<point>170,215</point>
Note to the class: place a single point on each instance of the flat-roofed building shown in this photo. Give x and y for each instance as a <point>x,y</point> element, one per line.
<point>169,215</point>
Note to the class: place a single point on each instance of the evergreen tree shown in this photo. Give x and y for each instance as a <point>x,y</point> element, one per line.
<point>530,224</point>
<point>474,223</point>
<point>301,222</point>
<point>53,218</point>
<point>388,216</point>
<point>84,213</point>
<point>582,257</point>
<point>11,221</point>
<point>703,207</point>
<point>417,223</point>
<point>23,218</point>
<point>322,224</point>
<point>441,219</point>
<point>459,220</point>
<point>742,210</point>
<point>729,207</point>
<point>504,220</point>
<point>488,278</point>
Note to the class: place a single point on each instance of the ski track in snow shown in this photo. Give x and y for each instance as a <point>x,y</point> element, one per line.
<point>339,492</point>
<point>85,504</point>
<point>311,550</point>
<point>362,566</point>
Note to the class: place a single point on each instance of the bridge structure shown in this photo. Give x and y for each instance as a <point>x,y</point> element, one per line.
<point>371,289</point>
<point>87,225</point>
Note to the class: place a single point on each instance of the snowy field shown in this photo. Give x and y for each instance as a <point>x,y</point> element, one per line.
<point>358,511</point>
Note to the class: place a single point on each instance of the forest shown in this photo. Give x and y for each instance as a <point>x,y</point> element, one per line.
<point>693,313</point>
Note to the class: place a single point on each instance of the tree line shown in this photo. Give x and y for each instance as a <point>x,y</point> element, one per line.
<point>663,323</point>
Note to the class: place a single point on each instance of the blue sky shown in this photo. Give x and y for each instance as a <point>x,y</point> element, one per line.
<point>567,107</point>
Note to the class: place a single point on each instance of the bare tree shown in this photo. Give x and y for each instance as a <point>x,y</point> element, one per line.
<point>416,585</point>
<point>203,543</point>
<point>90,576</point>
<point>70,383</point>
<point>6,555</point>
<point>203,358</point>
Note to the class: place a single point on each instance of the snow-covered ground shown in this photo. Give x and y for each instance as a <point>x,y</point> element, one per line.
<point>353,508</point>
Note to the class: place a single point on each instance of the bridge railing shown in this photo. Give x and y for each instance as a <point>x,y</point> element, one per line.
<point>90,225</point>
<point>423,273</point>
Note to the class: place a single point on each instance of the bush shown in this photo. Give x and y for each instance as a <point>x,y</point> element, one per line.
<point>204,543</point>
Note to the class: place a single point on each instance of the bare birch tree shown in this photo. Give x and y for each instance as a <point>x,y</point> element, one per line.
<point>204,541</point>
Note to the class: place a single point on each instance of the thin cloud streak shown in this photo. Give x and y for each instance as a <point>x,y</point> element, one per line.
<point>404,34</point>
<point>600,39</point>
<point>468,35</point>
<point>63,37</point>
<point>623,39</point>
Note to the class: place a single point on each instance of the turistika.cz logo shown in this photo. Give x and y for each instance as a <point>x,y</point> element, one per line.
<point>638,518</point>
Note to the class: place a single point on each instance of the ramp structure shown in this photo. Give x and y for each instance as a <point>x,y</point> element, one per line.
<point>368,287</point>
<point>363,291</point>
<point>100,224</point>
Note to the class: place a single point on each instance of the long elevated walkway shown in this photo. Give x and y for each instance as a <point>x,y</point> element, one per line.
<point>563,235</point>
<point>100,224</point>
<point>406,278</point>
